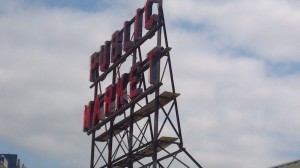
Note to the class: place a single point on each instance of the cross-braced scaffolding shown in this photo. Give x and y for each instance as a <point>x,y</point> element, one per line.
<point>144,131</point>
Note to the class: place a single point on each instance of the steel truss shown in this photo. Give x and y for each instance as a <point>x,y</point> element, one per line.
<point>138,134</point>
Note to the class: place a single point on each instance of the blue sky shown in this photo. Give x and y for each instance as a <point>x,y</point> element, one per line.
<point>86,6</point>
<point>240,90</point>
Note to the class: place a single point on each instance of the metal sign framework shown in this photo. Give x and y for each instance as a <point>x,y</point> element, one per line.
<point>136,133</point>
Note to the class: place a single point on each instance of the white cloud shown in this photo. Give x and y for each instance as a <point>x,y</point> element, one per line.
<point>245,115</point>
<point>234,112</point>
<point>269,29</point>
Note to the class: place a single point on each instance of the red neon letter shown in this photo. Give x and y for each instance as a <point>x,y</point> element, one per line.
<point>154,58</point>
<point>109,98</point>
<point>85,119</point>
<point>97,108</point>
<point>126,31</point>
<point>138,25</point>
<point>134,80</point>
<point>121,90</point>
<point>105,56</point>
<point>150,19</point>
<point>94,66</point>
<point>87,116</point>
<point>116,47</point>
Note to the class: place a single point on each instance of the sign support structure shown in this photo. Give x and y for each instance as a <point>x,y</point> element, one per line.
<point>134,121</point>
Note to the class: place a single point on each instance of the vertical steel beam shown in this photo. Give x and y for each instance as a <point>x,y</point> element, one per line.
<point>130,139</point>
<point>156,115</point>
<point>110,143</point>
<point>111,127</point>
<point>93,135</point>
<point>92,150</point>
<point>155,130</point>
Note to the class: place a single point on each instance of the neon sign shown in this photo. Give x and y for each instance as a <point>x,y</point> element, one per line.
<point>115,52</point>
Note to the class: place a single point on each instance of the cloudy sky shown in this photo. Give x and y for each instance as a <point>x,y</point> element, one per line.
<point>236,65</point>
